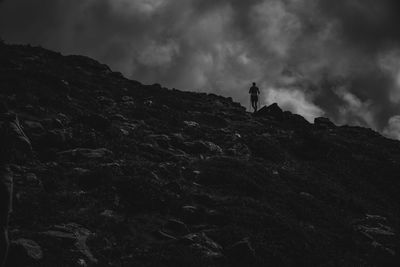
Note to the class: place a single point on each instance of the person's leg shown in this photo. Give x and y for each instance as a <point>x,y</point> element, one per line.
<point>253,103</point>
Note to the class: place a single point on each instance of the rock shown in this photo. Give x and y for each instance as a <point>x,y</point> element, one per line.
<point>204,245</point>
<point>148,103</point>
<point>307,196</point>
<point>174,187</point>
<point>202,147</point>
<point>119,117</point>
<point>239,150</point>
<point>128,101</point>
<point>76,234</point>
<point>52,123</point>
<point>217,218</point>
<point>117,74</point>
<point>107,213</point>
<point>382,239</point>
<point>295,120</point>
<point>382,232</point>
<point>374,226</point>
<point>33,127</point>
<point>157,86</point>
<point>65,120</point>
<point>33,180</point>
<point>212,120</point>
<point>30,109</point>
<point>241,254</point>
<point>112,215</point>
<point>176,227</point>
<point>106,101</point>
<point>124,128</point>
<point>192,124</point>
<point>80,171</point>
<point>56,138</point>
<point>127,98</point>
<point>273,111</point>
<point>86,154</point>
<point>161,139</point>
<point>81,262</point>
<point>193,215</point>
<point>324,123</point>
<point>163,236</point>
<point>100,177</point>
<point>129,104</point>
<point>96,121</point>
<point>25,251</point>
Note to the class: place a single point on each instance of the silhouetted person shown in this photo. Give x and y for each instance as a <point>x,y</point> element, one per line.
<point>254,92</point>
<point>14,146</point>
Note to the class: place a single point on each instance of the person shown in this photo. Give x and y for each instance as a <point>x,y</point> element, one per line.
<point>254,92</point>
<point>14,146</point>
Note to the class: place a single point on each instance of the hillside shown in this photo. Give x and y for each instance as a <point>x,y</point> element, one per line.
<point>126,174</point>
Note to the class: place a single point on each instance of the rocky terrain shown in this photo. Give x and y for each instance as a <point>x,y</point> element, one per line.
<point>126,174</point>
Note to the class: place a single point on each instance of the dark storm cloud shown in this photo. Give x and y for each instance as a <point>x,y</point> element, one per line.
<point>333,58</point>
<point>368,24</point>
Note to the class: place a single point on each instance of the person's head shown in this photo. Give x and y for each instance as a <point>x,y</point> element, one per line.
<point>3,107</point>
<point>254,84</point>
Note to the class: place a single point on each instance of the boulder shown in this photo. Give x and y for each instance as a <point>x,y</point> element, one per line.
<point>193,214</point>
<point>203,245</point>
<point>85,154</point>
<point>118,117</point>
<point>176,228</point>
<point>324,123</point>
<point>106,101</point>
<point>380,238</point>
<point>273,111</point>
<point>65,120</point>
<point>191,124</point>
<point>24,252</point>
<point>55,139</point>
<point>96,121</point>
<point>124,128</point>
<point>33,180</point>
<point>52,123</point>
<point>202,147</point>
<point>33,127</point>
<point>239,150</point>
<point>112,216</point>
<point>295,120</point>
<point>217,218</point>
<point>161,139</point>
<point>75,234</point>
<point>91,179</point>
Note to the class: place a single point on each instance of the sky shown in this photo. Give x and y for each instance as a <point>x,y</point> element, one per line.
<point>339,59</point>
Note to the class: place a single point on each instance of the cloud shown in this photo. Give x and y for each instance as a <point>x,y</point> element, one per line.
<point>393,128</point>
<point>277,28</point>
<point>354,111</point>
<point>294,100</point>
<point>158,54</point>
<point>389,61</point>
<point>337,58</point>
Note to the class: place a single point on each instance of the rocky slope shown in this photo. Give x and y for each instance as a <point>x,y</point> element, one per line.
<point>126,174</point>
